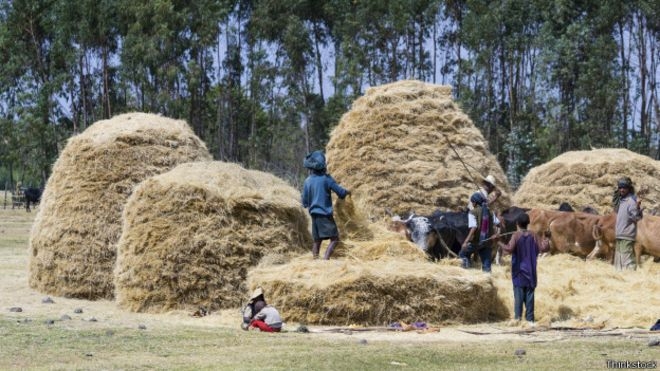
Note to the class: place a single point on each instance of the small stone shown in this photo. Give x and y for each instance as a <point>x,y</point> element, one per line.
<point>520,352</point>
<point>49,321</point>
<point>93,319</point>
<point>142,327</point>
<point>15,309</point>
<point>302,329</point>
<point>65,318</point>
<point>47,300</point>
<point>363,341</point>
<point>89,355</point>
<point>78,310</point>
<point>654,342</point>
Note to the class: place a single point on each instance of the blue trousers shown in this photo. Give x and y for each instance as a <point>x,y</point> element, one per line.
<point>485,254</point>
<point>523,295</point>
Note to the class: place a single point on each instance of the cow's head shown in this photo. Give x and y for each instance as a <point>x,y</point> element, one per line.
<point>415,228</point>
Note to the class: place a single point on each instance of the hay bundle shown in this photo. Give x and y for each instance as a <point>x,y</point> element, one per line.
<point>73,237</point>
<point>190,235</point>
<point>587,293</point>
<point>588,178</point>
<point>392,149</point>
<point>351,222</point>
<point>377,292</point>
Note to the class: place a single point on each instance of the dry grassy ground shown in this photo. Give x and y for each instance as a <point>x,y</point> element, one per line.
<point>53,336</point>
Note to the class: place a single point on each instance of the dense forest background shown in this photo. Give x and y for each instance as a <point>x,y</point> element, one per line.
<point>263,82</point>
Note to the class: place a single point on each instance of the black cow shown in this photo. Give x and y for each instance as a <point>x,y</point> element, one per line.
<point>565,206</point>
<point>508,219</point>
<point>439,235</point>
<point>452,229</point>
<point>32,195</point>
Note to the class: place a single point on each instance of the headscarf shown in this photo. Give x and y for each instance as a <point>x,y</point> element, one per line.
<point>624,182</point>
<point>478,198</point>
<point>315,161</point>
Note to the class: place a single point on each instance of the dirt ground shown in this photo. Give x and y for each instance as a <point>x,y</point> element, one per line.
<point>15,293</point>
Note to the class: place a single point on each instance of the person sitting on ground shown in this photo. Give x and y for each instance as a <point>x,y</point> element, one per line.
<point>257,314</point>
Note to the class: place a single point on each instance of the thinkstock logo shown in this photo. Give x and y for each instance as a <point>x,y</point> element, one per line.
<point>632,365</point>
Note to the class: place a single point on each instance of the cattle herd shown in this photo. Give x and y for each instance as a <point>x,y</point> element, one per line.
<point>580,233</point>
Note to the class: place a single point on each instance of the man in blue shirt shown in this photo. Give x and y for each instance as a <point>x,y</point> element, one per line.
<point>316,198</point>
<point>524,248</point>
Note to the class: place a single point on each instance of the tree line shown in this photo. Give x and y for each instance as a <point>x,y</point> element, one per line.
<point>263,82</point>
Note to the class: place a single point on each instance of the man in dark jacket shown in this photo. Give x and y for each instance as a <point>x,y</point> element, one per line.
<point>524,248</point>
<point>483,230</point>
<point>317,199</point>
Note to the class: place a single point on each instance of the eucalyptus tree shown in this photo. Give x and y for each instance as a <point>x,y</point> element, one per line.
<point>166,55</point>
<point>298,31</point>
<point>35,63</point>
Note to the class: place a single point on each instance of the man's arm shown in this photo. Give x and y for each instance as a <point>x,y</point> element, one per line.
<point>511,246</point>
<point>335,187</point>
<point>634,210</point>
<point>543,242</point>
<point>468,238</point>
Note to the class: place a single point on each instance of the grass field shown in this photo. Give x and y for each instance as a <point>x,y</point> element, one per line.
<point>52,336</point>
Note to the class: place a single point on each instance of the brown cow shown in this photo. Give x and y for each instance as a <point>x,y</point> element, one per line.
<point>648,237</point>
<point>572,232</point>
<point>605,238</point>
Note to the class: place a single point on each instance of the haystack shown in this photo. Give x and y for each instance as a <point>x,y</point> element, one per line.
<point>190,236</point>
<point>74,234</point>
<point>377,292</point>
<point>579,293</point>
<point>588,178</point>
<point>395,149</point>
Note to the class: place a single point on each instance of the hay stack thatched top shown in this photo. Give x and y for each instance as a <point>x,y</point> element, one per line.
<point>393,149</point>
<point>190,235</point>
<point>589,178</point>
<point>79,221</point>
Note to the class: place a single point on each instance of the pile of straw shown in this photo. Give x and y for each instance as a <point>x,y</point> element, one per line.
<point>191,235</point>
<point>378,292</point>
<point>589,293</point>
<point>589,178</point>
<point>395,149</point>
<point>79,221</point>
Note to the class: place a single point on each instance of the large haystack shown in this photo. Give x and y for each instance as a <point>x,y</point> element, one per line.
<point>581,293</point>
<point>73,237</point>
<point>393,149</point>
<point>190,235</point>
<point>588,178</point>
<point>378,292</point>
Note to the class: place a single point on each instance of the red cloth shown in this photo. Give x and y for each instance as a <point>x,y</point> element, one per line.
<point>261,325</point>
